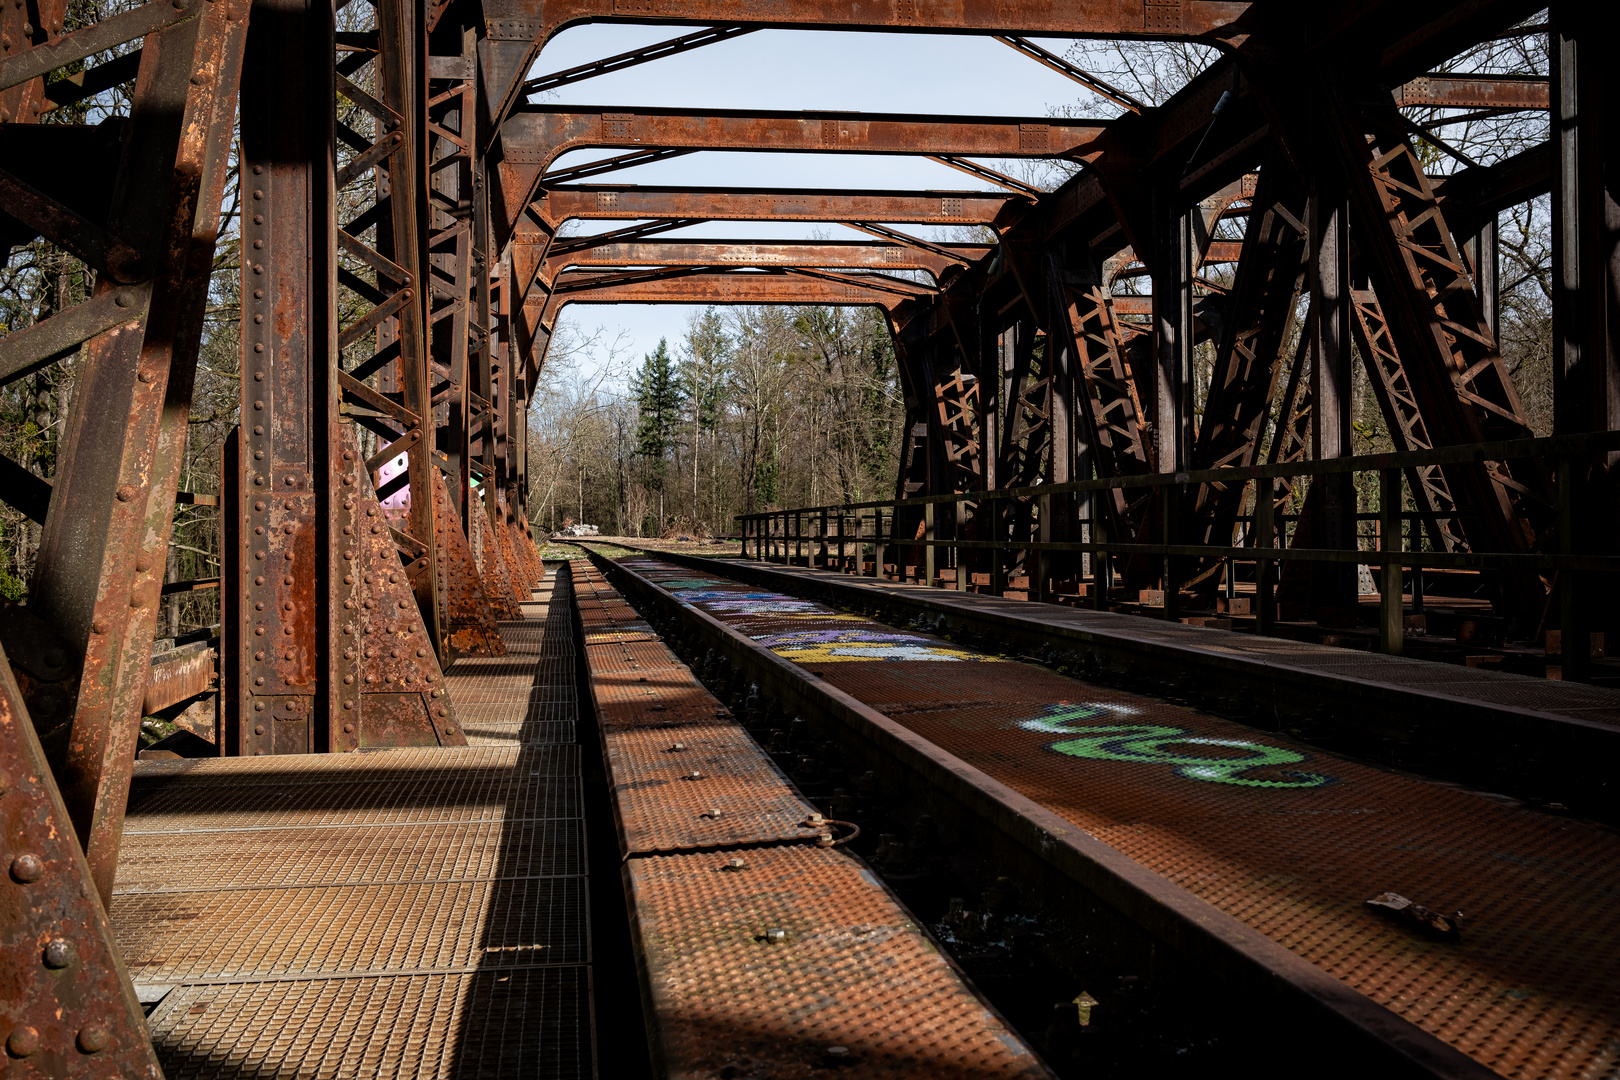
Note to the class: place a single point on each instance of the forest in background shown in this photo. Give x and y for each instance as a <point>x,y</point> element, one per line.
<point>750,407</point>
<point>744,408</point>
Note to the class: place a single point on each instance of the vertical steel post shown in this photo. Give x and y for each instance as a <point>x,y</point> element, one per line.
<point>289,334</point>
<point>1099,559</point>
<point>842,555</point>
<point>877,544</point>
<point>1037,562</point>
<point>1265,536</point>
<point>1332,584</point>
<point>928,549</point>
<point>401,37</point>
<point>1574,644</point>
<point>1391,629</point>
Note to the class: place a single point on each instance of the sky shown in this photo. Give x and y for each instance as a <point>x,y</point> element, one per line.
<point>794,70</point>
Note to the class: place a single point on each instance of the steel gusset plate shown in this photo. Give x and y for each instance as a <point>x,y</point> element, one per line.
<point>851,969</point>
<point>473,629</point>
<point>69,1008</point>
<point>491,567</point>
<point>388,673</point>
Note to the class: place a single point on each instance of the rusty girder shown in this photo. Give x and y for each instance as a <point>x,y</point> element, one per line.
<point>556,205</point>
<point>533,137</point>
<point>700,286</point>
<point>825,254</point>
<point>518,29</point>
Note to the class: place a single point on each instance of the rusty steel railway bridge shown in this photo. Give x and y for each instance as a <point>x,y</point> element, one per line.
<point>404,261</point>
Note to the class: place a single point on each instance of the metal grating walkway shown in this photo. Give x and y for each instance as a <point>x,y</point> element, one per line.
<point>1288,839</point>
<point>762,954</point>
<point>394,913</point>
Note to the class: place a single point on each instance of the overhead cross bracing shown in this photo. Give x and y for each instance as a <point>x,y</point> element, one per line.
<point>408,234</point>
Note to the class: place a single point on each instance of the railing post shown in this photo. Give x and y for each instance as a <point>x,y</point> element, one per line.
<point>1167,509</point>
<point>1265,534</point>
<point>843,556</point>
<point>964,573</point>
<point>1037,562</point>
<point>1574,646</point>
<point>877,544</point>
<point>1391,631</point>
<point>928,541</point>
<point>1099,559</point>
<point>821,542</point>
<point>999,553</point>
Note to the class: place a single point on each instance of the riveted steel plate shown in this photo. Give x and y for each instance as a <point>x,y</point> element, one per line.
<point>854,971</point>
<point>520,1023</point>
<point>1293,841</point>
<point>282,858</point>
<point>662,807</point>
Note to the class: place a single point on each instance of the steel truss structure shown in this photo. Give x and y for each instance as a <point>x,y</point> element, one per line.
<point>404,260</point>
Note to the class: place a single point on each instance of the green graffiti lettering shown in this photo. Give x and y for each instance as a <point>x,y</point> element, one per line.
<point>1154,744</point>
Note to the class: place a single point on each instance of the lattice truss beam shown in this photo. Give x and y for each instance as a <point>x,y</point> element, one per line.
<point>408,241</point>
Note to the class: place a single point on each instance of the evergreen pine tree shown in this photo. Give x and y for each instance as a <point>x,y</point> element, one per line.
<point>658,410</point>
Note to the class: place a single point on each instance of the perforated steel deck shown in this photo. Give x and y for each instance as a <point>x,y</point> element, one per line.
<point>1286,838</point>
<point>855,972</point>
<point>414,912</point>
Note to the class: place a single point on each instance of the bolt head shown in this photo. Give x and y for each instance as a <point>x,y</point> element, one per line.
<point>93,1038</point>
<point>24,1040</point>
<point>60,953</point>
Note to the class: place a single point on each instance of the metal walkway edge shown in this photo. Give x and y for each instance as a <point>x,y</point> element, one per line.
<point>1215,830</point>
<point>392,913</point>
<point>762,952</point>
<point>1535,738</point>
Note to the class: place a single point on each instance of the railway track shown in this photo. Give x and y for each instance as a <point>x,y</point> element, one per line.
<point>1204,882</point>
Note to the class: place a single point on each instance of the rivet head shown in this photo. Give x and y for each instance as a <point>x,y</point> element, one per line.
<point>348,728</point>
<point>99,626</point>
<point>258,729</point>
<point>125,492</point>
<point>93,1038</point>
<point>27,868</point>
<point>258,706</point>
<point>59,953</point>
<point>144,376</point>
<point>24,1040</point>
